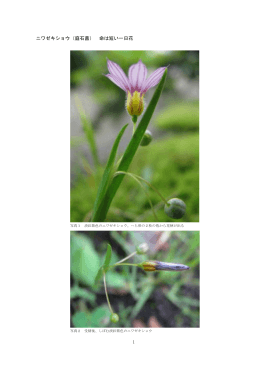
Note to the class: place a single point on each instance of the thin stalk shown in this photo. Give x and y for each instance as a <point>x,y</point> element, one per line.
<point>136,178</point>
<point>158,206</point>
<point>108,302</point>
<point>134,119</point>
<point>134,125</point>
<point>147,183</point>
<point>128,257</point>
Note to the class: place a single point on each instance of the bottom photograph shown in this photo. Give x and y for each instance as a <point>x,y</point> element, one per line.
<point>134,279</point>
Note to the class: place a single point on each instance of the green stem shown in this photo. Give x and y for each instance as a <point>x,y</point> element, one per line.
<point>128,257</point>
<point>158,206</point>
<point>134,119</point>
<point>141,178</point>
<point>136,179</point>
<point>105,285</point>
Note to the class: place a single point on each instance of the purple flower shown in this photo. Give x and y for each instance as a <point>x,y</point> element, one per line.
<point>136,85</point>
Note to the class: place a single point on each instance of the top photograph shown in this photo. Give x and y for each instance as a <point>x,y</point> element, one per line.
<point>134,136</point>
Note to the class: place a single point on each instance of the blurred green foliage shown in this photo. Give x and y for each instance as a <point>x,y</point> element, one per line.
<point>180,116</point>
<point>170,163</point>
<point>136,287</point>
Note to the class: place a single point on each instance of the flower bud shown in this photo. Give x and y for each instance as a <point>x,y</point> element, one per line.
<point>154,265</point>
<point>175,209</point>
<point>135,103</point>
<point>142,249</point>
<point>114,318</point>
<point>147,138</point>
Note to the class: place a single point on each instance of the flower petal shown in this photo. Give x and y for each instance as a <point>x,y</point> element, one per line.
<point>117,73</point>
<point>116,81</point>
<point>137,75</point>
<point>153,79</point>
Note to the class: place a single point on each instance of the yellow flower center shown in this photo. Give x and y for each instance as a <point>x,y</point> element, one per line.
<point>135,103</point>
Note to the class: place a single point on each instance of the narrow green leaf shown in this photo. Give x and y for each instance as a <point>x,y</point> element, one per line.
<point>106,176</point>
<point>102,209</point>
<point>99,275</point>
<point>108,256</point>
<point>105,264</point>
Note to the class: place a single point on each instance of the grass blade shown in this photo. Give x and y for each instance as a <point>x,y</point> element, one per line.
<point>88,131</point>
<point>99,275</point>
<point>137,179</point>
<point>108,256</point>
<point>106,177</point>
<point>128,156</point>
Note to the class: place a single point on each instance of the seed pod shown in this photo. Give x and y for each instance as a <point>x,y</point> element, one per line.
<point>114,318</point>
<point>147,138</point>
<point>175,209</point>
